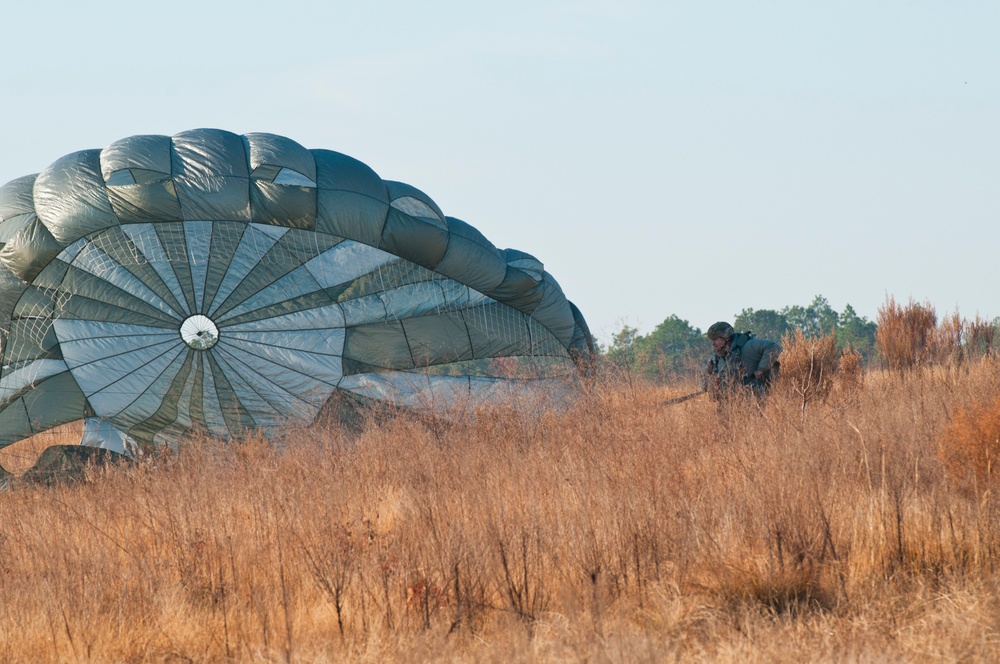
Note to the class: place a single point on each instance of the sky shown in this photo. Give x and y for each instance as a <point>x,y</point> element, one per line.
<point>660,158</point>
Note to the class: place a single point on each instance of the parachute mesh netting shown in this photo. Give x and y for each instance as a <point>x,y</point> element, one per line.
<point>216,282</point>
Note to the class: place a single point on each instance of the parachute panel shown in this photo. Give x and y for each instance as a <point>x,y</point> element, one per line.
<point>413,238</point>
<point>471,259</point>
<point>70,197</point>
<point>29,250</point>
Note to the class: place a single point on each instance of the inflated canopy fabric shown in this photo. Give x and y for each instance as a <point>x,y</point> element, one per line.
<point>304,271</point>
<point>16,206</point>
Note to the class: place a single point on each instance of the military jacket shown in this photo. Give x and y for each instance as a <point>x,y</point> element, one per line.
<point>737,363</point>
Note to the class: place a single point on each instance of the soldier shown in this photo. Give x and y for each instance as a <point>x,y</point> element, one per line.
<point>739,359</point>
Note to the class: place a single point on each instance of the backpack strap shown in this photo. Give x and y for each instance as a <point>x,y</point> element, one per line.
<point>740,340</point>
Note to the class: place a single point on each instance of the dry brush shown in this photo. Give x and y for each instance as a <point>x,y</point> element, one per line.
<point>614,528</point>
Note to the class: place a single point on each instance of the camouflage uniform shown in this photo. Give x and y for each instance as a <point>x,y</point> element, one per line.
<point>734,365</point>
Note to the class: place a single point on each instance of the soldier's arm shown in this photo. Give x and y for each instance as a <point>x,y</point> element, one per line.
<point>769,352</point>
<point>709,370</point>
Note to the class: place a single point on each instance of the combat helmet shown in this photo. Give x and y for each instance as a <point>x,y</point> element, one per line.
<point>720,330</point>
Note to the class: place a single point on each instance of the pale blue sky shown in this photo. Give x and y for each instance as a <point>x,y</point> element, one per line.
<point>659,157</point>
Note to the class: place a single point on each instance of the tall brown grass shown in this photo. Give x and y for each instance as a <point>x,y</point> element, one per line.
<point>613,529</point>
<point>905,335</point>
<point>969,444</point>
<point>980,334</point>
<point>912,336</point>
<point>808,364</point>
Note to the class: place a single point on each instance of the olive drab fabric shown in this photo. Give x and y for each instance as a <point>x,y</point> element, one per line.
<point>222,282</point>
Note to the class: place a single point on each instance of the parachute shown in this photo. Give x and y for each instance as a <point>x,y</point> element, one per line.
<point>223,283</point>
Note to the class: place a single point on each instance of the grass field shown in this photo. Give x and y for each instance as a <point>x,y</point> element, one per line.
<point>828,525</point>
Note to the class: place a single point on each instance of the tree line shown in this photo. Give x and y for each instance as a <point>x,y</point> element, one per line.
<point>674,347</point>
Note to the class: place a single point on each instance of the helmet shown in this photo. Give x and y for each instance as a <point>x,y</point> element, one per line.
<point>720,330</point>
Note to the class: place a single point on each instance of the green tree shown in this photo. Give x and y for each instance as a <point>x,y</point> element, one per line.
<point>764,323</point>
<point>817,319</point>
<point>670,349</point>
<point>857,331</point>
<point>622,351</point>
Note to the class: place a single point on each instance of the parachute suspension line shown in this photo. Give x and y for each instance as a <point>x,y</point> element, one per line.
<point>129,246</point>
<point>512,323</point>
<point>142,245</point>
<point>95,260</point>
<point>255,241</point>
<point>175,249</point>
<point>490,333</point>
<point>385,296</point>
<point>35,323</point>
<point>442,305</point>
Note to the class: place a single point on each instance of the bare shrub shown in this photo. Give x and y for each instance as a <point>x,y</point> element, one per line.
<point>850,371</point>
<point>947,343</point>
<point>789,589</point>
<point>614,529</point>
<point>979,337</point>
<point>957,339</point>
<point>969,445</point>
<point>808,364</point>
<point>904,336</point>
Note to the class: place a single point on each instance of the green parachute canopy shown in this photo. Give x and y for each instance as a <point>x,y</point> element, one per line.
<point>221,282</point>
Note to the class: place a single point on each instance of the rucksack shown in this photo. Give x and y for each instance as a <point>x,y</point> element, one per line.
<point>740,340</point>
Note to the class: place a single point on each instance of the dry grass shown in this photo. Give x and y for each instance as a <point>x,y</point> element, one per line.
<point>808,365</point>
<point>20,456</point>
<point>906,336</point>
<point>616,530</point>
<point>913,336</point>
<point>979,336</point>
<point>970,445</point>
